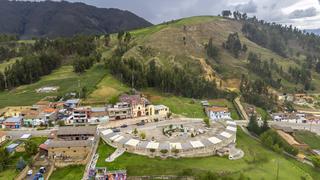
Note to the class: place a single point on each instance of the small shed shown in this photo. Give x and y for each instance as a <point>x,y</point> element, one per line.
<point>12,147</point>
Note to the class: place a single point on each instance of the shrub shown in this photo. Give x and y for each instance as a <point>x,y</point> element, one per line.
<point>164,151</point>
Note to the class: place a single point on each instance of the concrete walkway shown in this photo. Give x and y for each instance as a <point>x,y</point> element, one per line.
<point>115,154</point>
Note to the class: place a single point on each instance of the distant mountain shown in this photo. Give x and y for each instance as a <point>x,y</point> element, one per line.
<point>50,19</point>
<point>315,31</point>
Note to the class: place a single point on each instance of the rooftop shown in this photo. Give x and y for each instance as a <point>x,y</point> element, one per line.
<point>218,109</point>
<point>13,119</point>
<point>77,130</point>
<point>72,101</point>
<point>62,144</point>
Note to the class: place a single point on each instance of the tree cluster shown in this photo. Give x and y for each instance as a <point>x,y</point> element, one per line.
<point>8,37</point>
<point>254,127</point>
<point>233,44</point>
<point>272,140</point>
<point>82,63</point>
<point>256,93</point>
<point>29,69</point>
<point>263,69</point>
<point>212,50</point>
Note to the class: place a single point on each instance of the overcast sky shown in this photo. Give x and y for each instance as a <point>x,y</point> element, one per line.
<point>304,14</point>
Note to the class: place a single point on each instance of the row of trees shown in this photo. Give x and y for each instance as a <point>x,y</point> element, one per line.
<point>82,45</point>
<point>212,50</point>
<point>172,80</point>
<point>29,69</point>
<point>265,37</point>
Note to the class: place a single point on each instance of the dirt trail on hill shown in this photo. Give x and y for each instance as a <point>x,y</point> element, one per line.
<point>209,74</point>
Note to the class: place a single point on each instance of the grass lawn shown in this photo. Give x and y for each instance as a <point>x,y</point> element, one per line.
<point>64,77</point>
<point>307,137</point>
<point>10,172</point>
<point>107,88</point>
<point>224,102</point>
<point>70,172</point>
<point>258,163</point>
<point>178,105</point>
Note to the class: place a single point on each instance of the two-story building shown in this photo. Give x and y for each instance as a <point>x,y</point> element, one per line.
<point>13,122</point>
<point>121,110</point>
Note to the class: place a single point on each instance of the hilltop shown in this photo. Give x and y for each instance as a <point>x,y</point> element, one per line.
<point>184,43</point>
<point>52,19</point>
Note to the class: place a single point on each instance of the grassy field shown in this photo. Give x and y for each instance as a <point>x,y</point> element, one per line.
<point>106,89</point>
<point>307,137</point>
<point>10,173</point>
<point>69,172</point>
<point>178,105</point>
<point>258,163</point>
<point>226,103</point>
<point>64,77</point>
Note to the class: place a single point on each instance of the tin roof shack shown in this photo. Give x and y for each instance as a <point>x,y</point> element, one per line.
<point>69,150</point>
<point>76,133</point>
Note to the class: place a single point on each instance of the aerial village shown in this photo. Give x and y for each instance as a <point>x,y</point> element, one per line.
<point>133,124</point>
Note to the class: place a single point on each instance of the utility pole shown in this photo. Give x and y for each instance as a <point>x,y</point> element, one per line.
<point>277,169</point>
<point>79,88</point>
<point>132,79</point>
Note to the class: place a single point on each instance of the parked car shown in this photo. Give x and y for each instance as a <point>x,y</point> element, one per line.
<point>115,130</point>
<point>30,172</point>
<point>124,126</point>
<point>42,170</point>
<point>140,123</point>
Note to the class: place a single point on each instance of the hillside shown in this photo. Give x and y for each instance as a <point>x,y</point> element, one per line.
<point>183,43</point>
<point>51,19</point>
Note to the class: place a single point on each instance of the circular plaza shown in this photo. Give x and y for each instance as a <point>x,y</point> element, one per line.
<point>176,138</point>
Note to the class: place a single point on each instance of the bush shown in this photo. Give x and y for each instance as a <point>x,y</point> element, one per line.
<point>164,151</point>
<point>272,140</point>
<point>316,161</point>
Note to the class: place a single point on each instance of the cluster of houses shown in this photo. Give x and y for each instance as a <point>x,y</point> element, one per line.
<point>216,113</point>
<point>298,99</point>
<point>70,112</point>
<point>295,117</point>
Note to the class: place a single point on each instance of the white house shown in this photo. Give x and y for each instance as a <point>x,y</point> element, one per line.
<point>217,113</point>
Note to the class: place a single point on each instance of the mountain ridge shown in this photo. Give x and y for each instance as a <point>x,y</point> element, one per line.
<point>53,19</point>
